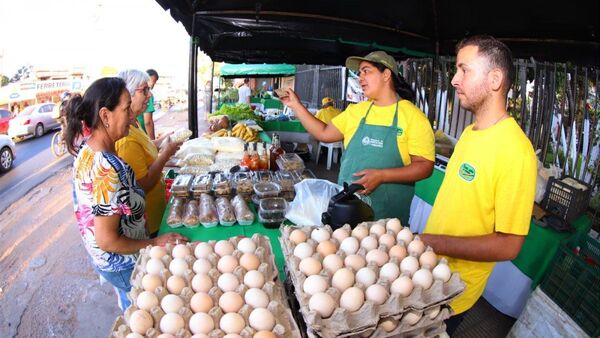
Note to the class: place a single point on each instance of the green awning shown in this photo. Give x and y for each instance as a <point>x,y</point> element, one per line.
<point>257,70</point>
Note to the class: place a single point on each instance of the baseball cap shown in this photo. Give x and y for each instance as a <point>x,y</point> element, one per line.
<point>353,62</point>
<point>326,100</point>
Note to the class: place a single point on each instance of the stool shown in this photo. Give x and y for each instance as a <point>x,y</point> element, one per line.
<point>331,152</point>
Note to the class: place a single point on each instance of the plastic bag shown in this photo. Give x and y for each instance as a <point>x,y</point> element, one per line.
<point>312,199</point>
<point>543,176</point>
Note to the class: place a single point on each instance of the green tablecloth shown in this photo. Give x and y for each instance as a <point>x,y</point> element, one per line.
<point>264,137</point>
<point>427,189</point>
<point>292,126</point>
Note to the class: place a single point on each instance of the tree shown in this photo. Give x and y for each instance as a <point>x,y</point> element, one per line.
<point>4,81</point>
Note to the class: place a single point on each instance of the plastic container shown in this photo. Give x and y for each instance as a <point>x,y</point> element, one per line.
<point>286,180</point>
<point>263,176</point>
<point>306,174</point>
<point>221,185</point>
<point>565,200</point>
<point>290,162</point>
<point>273,208</point>
<point>201,184</point>
<point>266,189</point>
<point>243,183</point>
<point>572,281</point>
<point>181,184</point>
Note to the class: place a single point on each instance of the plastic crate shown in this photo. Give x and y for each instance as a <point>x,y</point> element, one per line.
<point>564,200</point>
<point>573,281</point>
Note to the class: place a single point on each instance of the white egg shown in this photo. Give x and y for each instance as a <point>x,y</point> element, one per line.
<point>340,234</point>
<point>178,267</point>
<point>332,263</point>
<point>378,229</point>
<point>442,271</point>
<point>181,251</point>
<point>366,277</point>
<point>423,278</point>
<point>432,313</point>
<point>310,266</point>
<point>405,235</point>
<point>249,261</point>
<point>428,258</point>
<point>231,301</point>
<point>246,245</point>
<point>227,263</point>
<point>394,225</point>
<point>377,294</point>
<point>256,298</point>
<point>201,302</point>
<point>254,279</point>
<point>261,319</point>
<point>224,247</point>
<point>322,303</point>
<point>388,240</point>
<point>165,335</point>
<point>402,285</point>
<point>369,243</point>
<point>416,247</point>
<point>140,321</point>
<point>360,232</point>
<point>303,250</point>
<point>409,265</point>
<point>203,250</point>
<point>146,300</point>
<point>134,335</point>
<point>151,282</point>
<point>232,335</point>
<point>350,245</point>
<point>352,299</point>
<point>171,303</point>
<point>202,265</point>
<point>314,284</point>
<point>201,323</point>
<point>380,257</point>
<point>157,252</point>
<point>201,283</point>
<point>175,284</point>
<point>342,279</point>
<point>389,271</point>
<point>171,323</point>
<point>411,317</point>
<point>200,335</point>
<point>228,282</point>
<point>320,234</point>
<point>232,323</point>
<point>356,262</point>
<point>298,236</point>
<point>154,266</point>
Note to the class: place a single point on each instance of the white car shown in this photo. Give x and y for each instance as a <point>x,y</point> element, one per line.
<point>34,120</point>
<point>7,153</point>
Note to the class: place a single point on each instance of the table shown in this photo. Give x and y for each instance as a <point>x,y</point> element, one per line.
<point>292,131</point>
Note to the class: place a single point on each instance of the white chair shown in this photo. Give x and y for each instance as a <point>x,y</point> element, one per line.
<point>332,149</point>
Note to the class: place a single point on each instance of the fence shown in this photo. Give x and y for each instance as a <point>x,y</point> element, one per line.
<point>313,83</point>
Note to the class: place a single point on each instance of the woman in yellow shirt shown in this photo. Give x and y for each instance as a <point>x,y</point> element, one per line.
<point>141,153</point>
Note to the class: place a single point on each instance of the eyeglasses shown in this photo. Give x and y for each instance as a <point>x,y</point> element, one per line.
<point>144,90</point>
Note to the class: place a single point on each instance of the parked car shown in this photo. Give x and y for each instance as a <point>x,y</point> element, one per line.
<point>5,116</point>
<point>7,153</point>
<point>34,120</point>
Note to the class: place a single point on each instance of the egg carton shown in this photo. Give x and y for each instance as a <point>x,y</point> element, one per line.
<point>429,325</point>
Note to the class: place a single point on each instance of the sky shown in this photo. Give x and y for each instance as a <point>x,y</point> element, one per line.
<point>55,34</point>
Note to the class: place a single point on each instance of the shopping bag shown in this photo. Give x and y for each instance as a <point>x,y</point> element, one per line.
<point>312,199</point>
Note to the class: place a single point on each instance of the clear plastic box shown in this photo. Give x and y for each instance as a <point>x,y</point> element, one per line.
<point>272,209</point>
<point>202,184</point>
<point>286,180</point>
<point>181,185</point>
<point>290,162</point>
<point>305,174</point>
<point>266,189</point>
<point>243,182</point>
<point>221,184</point>
<point>263,176</point>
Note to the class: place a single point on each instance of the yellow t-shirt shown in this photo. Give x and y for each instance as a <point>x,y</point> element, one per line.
<point>489,187</point>
<point>415,136</point>
<point>326,114</point>
<point>139,152</point>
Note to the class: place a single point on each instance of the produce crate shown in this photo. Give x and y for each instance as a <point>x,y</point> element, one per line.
<point>573,281</point>
<point>564,200</point>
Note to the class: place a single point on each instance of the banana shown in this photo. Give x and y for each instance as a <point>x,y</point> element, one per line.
<point>238,126</point>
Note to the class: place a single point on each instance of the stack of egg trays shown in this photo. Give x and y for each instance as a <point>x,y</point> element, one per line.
<point>344,323</point>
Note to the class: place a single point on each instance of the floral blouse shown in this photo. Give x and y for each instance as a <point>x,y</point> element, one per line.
<point>104,185</point>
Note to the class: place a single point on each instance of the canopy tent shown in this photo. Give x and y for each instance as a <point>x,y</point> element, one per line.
<point>257,70</point>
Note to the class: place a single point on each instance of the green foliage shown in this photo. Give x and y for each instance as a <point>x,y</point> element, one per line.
<point>4,81</point>
<point>237,112</point>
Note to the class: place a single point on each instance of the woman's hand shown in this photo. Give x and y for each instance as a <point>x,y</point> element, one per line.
<point>171,237</point>
<point>371,179</point>
<point>170,148</point>
<point>291,99</point>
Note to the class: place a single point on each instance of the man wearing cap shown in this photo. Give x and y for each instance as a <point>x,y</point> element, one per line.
<point>328,111</point>
<point>388,141</point>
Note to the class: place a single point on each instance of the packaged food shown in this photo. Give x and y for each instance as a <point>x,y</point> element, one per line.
<point>221,184</point>
<point>181,185</point>
<point>228,144</point>
<point>225,211</point>
<point>194,170</point>
<point>207,211</point>
<point>288,195</point>
<point>286,180</point>
<point>290,162</point>
<point>267,189</point>
<point>202,184</point>
<point>306,174</point>
<point>243,214</point>
<point>272,211</point>
<point>180,135</point>
<point>190,214</point>
<point>243,182</point>
<point>263,176</point>
<point>175,218</point>
<point>199,159</point>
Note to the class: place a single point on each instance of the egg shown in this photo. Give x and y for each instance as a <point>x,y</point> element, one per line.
<point>326,248</point>
<point>171,323</point>
<point>201,302</point>
<point>332,263</point>
<point>320,234</point>
<point>200,335</point>
<point>249,261</point>
<point>175,284</point>
<point>350,245</point>
<point>360,232</point>
<point>377,229</point>
<point>402,286</point>
<point>367,333</point>
<point>342,279</point>
<point>140,321</point>
<point>246,245</point>
<point>405,235</point>
<point>409,265</point>
<point>314,284</point>
<point>228,282</point>
<point>154,266</point>
<point>303,250</point>
<point>398,251</point>
<point>203,250</point>
<point>230,301</point>
<point>369,243</point>
<point>394,225</point>
<point>356,262</point>
<point>388,240</point>
<point>411,317</point>
<point>232,335</point>
<point>388,324</point>
<point>171,303</point>
<point>223,248</point>
<point>310,266</point>
<point>202,283</point>
<point>254,279</point>
<point>256,298</point>
<point>232,323</point>
<point>201,323</point>
<point>146,300</point>
<point>442,271</point>
<point>178,266</point>
<point>165,335</point>
<point>298,236</point>
<point>428,258</point>
<point>423,278</point>
<point>377,256</point>
<point>366,277</point>
<point>352,299</point>
<point>389,271</point>
<point>377,294</point>
<point>261,319</point>
<point>340,234</point>
<point>151,282</point>
<point>202,265</point>
<point>227,263</point>
<point>181,251</point>
<point>264,334</point>
<point>157,252</point>
<point>416,247</point>
<point>322,303</point>
<point>134,335</point>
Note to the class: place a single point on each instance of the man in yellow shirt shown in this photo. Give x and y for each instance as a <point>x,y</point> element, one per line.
<point>328,111</point>
<point>483,210</point>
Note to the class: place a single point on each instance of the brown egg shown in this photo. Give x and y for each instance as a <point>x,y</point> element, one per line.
<point>175,284</point>
<point>264,334</point>
<point>249,261</point>
<point>231,301</point>
<point>151,282</point>
<point>201,302</point>
<point>326,248</point>
<point>298,236</point>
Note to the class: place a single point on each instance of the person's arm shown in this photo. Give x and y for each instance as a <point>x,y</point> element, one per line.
<point>319,130</point>
<point>487,248</point>
<point>418,169</point>
<point>149,124</point>
<point>158,142</point>
<point>155,170</point>
<point>108,237</point>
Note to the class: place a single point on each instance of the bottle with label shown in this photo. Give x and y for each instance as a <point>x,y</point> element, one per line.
<point>274,152</point>
<point>254,159</point>
<point>263,157</point>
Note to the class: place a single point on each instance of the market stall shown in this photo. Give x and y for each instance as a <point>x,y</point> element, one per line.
<point>293,131</point>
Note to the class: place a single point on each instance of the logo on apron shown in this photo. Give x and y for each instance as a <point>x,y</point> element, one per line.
<point>372,142</point>
<point>467,172</point>
<point>400,132</point>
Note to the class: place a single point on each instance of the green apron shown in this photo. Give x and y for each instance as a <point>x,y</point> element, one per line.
<point>376,147</point>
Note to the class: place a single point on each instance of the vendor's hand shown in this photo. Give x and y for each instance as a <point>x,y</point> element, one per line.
<point>371,179</point>
<point>291,99</point>
<point>170,238</point>
<point>170,148</point>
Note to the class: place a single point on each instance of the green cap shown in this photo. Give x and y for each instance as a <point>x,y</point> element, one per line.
<point>379,56</point>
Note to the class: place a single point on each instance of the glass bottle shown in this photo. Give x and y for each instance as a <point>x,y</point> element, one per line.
<point>246,159</point>
<point>254,159</point>
<point>274,152</point>
<point>263,157</point>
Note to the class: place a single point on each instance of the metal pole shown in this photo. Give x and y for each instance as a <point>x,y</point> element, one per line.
<point>210,94</point>
<point>193,85</point>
